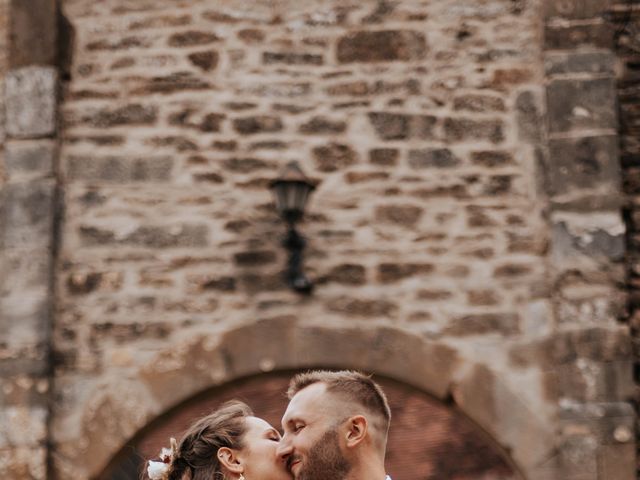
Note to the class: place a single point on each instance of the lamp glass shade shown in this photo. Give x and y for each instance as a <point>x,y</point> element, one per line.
<point>291,192</point>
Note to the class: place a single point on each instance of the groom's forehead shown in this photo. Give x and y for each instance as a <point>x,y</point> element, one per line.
<point>311,400</point>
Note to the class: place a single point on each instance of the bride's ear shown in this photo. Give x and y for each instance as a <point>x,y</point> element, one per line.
<point>228,458</point>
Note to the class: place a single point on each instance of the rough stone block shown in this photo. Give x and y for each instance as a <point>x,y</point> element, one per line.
<point>432,158</point>
<point>596,238</point>
<point>394,272</point>
<point>22,425</point>
<point>384,156</point>
<point>26,214</point>
<point>581,104</point>
<point>206,61</point>
<point>598,34</point>
<point>334,156</point>
<point>24,462</point>
<point>618,461</point>
<point>611,425</point>
<point>149,236</point>
<point>119,169</point>
<point>322,125</point>
<point>31,102</point>
<point>583,163</point>
<point>397,126</point>
<point>292,58</point>
<point>346,274</point>
<point>580,62</point>
<point>405,215</point>
<point>575,9</point>
<point>466,129</point>
<point>192,38</point>
<point>479,103</point>
<point>528,117</point>
<point>22,270</point>
<point>257,124</point>
<point>362,307</point>
<point>483,324</point>
<point>25,318</point>
<point>29,159</point>
<point>33,32</point>
<point>381,46</point>
<point>132,114</point>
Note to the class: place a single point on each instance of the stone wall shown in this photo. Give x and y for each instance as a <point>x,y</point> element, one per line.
<point>28,192</point>
<point>465,236</point>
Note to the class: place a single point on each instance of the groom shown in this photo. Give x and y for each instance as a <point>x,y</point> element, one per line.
<point>335,427</point>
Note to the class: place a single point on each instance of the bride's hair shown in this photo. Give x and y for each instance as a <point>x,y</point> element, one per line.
<point>196,455</point>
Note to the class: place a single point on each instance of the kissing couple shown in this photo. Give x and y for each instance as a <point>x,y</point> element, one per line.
<point>335,427</point>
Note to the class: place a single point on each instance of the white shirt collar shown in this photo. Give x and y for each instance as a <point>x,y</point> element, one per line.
<point>388,478</point>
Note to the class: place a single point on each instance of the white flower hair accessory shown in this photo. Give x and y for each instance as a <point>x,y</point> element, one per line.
<point>160,470</point>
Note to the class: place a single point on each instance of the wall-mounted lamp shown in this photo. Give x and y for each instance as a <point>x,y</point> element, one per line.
<point>291,191</point>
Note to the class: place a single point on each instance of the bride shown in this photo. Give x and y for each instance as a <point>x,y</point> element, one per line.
<point>228,444</point>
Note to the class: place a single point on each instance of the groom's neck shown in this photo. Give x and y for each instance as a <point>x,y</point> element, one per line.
<point>371,470</point>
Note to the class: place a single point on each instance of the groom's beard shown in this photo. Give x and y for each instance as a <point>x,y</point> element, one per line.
<point>325,460</point>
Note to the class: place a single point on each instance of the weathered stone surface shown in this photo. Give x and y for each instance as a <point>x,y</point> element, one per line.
<point>512,270</point>
<point>257,124</point>
<point>465,129</point>
<point>211,282</point>
<point>395,126</point>
<point>393,272</point>
<point>583,162</point>
<point>573,239</point>
<point>579,62</point>
<point>405,215</point>
<point>119,170</point>
<point>254,258</point>
<point>26,214</point>
<point>191,38</point>
<point>133,291</point>
<point>581,104</point>
<point>31,102</point>
<point>479,103</point>
<point>33,29</point>
<point>246,165</point>
<point>334,156</point>
<point>529,118</point>
<point>150,236</point>
<point>429,158</point>
<point>384,156</point>
<point>347,274</point>
<point>368,308</point>
<point>574,9</point>
<point>322,125</point>
<point>492,158</point>
<point>129,115</point>
<point>29,159</point>
<point>568,37</point>
<point>206,60</point>
<point>291,58</point>
<point>168,84</point>
<point>381,46</point>
<point>484,323</point>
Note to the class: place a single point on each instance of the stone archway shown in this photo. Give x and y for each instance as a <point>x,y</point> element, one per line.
<point>428,439</point>
<point>197,364</point>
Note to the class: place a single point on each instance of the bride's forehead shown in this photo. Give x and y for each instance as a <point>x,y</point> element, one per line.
<point>257,424</point>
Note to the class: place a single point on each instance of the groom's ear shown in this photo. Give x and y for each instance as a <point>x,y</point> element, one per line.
<point>228,458</point>
<point>356,430</point>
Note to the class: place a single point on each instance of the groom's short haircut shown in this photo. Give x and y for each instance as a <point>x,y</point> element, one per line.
<point>355,387</point>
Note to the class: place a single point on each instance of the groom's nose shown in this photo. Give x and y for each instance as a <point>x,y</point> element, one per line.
<point>284,448</point>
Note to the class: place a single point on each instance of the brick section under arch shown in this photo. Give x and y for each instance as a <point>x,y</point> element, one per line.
<point>428,440</point>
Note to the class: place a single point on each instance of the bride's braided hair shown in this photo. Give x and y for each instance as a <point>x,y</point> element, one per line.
<point>196,455</point>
